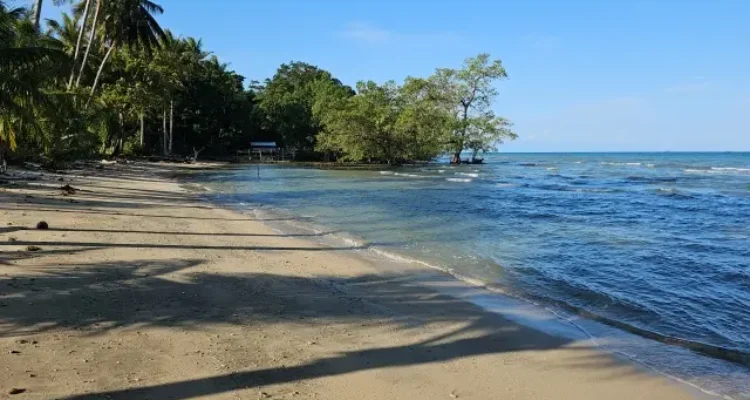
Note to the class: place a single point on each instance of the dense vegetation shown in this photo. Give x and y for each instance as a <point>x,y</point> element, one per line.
<point>108,80</point>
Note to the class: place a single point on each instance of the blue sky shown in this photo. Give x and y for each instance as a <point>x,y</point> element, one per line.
<point>586,75</point>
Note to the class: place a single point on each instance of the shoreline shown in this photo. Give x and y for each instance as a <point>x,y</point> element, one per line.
<point>736,356</point>
<point>271,312</point>
<point>551,317</point>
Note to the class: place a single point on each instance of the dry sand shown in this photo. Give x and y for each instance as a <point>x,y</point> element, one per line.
<point>138,290</point>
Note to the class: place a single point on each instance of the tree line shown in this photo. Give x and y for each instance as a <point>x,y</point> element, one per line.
<point>108,80</point>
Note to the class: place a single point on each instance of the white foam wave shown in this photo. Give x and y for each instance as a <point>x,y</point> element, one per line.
<point>387,173</point>
<point>730,169</point>
<point>632,164</point>
<point>410,175</point>
<point>459,180</point>
<point>472,175</point>
<point>506,185</point>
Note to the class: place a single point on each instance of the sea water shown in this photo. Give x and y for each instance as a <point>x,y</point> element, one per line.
<point>655,244</point>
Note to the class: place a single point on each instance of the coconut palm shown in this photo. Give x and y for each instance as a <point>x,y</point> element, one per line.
<point>129,23</point>
<point>27,61</point>
<point>37,13</point>
<point>65,31</point>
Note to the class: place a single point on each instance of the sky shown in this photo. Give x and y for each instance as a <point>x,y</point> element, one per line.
<point>584,75</point>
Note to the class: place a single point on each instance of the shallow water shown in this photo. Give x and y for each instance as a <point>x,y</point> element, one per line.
<point>655,243</point>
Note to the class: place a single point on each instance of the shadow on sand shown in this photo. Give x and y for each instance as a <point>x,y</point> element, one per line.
<point>96,298</point>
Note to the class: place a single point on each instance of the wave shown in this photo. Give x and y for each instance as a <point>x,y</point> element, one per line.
<point>459,180</point>
<point>471,175</point>
<point>730,169</point>
<point>672,192</point>
<point>566,188</point>
<point>651,179</point>
<point>632,164</point>
<point>717,170</point>
<point>724,353</point>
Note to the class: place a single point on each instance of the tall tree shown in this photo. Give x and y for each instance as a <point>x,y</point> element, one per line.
<point>81,31</point>
<point>130,23</point>
<point>91,40</point>
<point>28,63</point>
<point>467,93</point>
<point>38,13</point>
<point>287,100</point>
<point>385,123</point>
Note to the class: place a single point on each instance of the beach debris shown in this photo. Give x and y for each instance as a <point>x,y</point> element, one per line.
<point>16,391</point>
<point>454,395</point>
<point>33,248</point>
<point>68,190</point>
<point>14,352</point>
<point>12,239</point>
<point>42,225</point>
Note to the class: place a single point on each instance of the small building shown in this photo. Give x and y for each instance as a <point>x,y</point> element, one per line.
<point>264,151</point>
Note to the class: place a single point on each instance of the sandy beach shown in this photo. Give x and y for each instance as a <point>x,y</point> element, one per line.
<point>140,290</point>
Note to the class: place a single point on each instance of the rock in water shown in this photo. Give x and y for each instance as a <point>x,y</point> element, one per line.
<point>42,225</point>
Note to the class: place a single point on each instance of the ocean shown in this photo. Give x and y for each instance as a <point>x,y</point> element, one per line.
<point>654,244</point>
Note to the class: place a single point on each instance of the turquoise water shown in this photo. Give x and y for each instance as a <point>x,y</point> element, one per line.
<point>654,243</point>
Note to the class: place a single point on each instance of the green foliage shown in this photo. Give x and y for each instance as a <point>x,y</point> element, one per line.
<point>384,123</point>
<point>109,80</point>
<point>287,101</point>
<point>467,94</point>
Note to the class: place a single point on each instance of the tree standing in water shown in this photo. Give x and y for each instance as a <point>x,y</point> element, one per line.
<point>468,94</point>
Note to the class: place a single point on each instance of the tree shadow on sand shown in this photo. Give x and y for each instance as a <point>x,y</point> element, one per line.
<point>96,298</point>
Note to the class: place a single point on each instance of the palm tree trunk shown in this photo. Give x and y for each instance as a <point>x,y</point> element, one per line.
<point>143,129</point>
<point>171,125</point>
<point>99,72</point>
<point>92,33</point>
<point>37,14</point>
<point>164,137</point>
<point>81,29</point>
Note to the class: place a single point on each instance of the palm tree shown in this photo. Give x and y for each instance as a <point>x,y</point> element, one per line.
<point>91,41</point>
<point>130,23</point>
<point>37,13</point>
<point>66,31</point>
<point>81,30</point>
<point>27,61</point>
